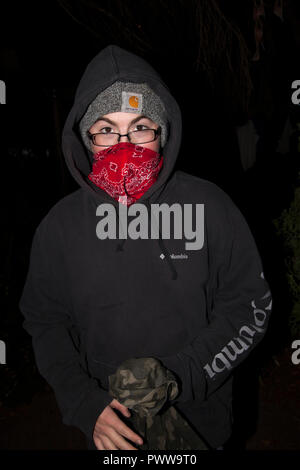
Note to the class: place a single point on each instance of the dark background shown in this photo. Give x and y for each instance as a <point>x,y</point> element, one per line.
<point>44,50</point>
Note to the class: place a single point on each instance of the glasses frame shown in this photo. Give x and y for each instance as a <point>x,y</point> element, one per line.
<point>157,132</point>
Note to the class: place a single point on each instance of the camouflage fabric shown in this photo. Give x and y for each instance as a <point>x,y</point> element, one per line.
<point>145,386</point>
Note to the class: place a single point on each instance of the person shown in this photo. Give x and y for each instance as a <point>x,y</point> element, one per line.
<point>96,296</point>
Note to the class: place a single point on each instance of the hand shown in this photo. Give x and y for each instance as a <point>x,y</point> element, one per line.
<point>110,429</point>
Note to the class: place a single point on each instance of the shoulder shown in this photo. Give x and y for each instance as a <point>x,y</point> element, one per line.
<point>221,212</point>
<point>197,189</point>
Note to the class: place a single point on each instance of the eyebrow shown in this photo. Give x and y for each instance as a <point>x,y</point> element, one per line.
<point>138,118</point>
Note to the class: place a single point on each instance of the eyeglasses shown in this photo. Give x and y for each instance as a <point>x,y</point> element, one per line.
<point>135,137</point>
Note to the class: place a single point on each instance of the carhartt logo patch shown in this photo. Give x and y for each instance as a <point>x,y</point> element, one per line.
<point>132,102</point>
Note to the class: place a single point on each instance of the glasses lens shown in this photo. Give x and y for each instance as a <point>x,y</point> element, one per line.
<point>142,137</point>
<point>106,139</point>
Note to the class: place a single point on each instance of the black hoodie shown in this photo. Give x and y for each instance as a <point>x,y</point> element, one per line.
<point>90,304</point>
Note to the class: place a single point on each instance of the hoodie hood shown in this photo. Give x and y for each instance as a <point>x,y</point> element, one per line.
<point>110,65</point>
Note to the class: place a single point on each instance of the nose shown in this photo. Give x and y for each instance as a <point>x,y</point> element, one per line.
<point>123,136</point>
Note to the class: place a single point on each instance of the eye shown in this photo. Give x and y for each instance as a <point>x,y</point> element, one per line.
<point>141,127</point>
<point>105,130</point>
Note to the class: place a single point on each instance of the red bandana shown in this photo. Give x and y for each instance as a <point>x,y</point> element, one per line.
<point>126,171</point>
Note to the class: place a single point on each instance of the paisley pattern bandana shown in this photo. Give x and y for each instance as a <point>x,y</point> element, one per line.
<point>125,171</point>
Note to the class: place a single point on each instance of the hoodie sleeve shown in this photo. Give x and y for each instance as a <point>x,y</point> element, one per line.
<point>239,307</point>
<point>49,322</point>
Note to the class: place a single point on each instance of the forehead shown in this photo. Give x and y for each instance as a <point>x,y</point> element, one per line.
<point>120,117</point>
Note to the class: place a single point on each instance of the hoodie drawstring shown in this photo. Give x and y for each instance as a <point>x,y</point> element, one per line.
<point>163,248</point>
<point>120,244</point>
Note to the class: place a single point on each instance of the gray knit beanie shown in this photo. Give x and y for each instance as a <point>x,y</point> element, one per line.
<point>125,97</point>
